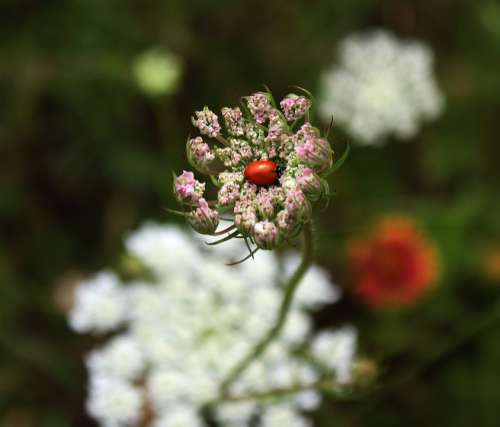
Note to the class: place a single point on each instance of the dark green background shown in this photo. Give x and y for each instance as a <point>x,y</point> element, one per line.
<point>85,156</point>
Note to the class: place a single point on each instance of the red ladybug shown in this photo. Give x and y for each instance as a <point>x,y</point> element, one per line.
<point>262,172</point>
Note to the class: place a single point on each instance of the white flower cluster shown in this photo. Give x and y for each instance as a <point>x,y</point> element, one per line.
<point>382,86</point>
<point>180,333</point>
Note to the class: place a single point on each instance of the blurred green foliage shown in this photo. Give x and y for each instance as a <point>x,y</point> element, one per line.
<point>85,156</point>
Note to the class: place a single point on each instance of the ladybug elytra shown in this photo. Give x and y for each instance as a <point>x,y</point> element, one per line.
<point>262,172</point>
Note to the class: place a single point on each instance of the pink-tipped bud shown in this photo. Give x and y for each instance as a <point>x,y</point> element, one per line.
<point>277,126</point>
<point>203,219</point>
<point>207,122</point>
<point>310,184</point>
<point>315,152</point>
<point>294,107</point>
<point>187,189</point>
<point>260,106</point>
<point>200,155</point>
<point>245,217</point>
<point>266,235</point>
<point>234,121</point>
<point>297,204</point>
<point>287,222</point>
<point>265,203</point>
<point>229,193</point>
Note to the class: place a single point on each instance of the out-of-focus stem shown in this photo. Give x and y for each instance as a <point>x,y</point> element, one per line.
<point>323,384</point>
<point>289,291</point>
<point>223,140</point>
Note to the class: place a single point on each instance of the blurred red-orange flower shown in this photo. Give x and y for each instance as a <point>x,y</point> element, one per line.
<point>394,265</point>
<point>490,263</point>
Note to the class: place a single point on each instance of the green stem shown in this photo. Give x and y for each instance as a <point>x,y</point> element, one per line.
<point>223,140</point>
<point>322,384</point>
<point>289,291</point>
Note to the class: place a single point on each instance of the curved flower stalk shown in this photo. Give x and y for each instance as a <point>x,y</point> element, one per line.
<point>269,164</point>
<point>183,326</point>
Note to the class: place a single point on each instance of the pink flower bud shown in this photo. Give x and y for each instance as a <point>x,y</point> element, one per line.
<point>277,126</point>
<point>310,184</point>
<point>199,154</point>
<point>266,235</point>
<point>207,122</point>
<point>265,205</point>
<point>294,107</point>
<point>296,202</point>
<point>234,121</point>
<point>229,193</point>
<point>288,223</point>
<point>203,219</point>
<point>260,106</point>
<point>315,152</point>
<point>187,189</point>
<point>245,216</point>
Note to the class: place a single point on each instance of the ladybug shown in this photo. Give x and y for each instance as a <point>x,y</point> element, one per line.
<point>262,172</point>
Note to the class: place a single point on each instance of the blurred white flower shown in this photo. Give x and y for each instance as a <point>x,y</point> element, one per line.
<point>336,349</point>
<point>236,414</point>
<point>283,415</point>
<point>157,72</point>
<point>382,86</point>
<point>100,304</point>
<point>190,325</point>
<point>113,401</point>
<point>179,416</point>
<point>122,357</point>
<point>316,288</point>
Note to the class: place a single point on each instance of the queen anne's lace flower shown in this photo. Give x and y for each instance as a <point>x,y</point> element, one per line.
<point>272,207</point>
<point>185,326</point>
<point>382,86</point>
<point>114,401</point>
<point>101,304</point>
<point>336,350</point>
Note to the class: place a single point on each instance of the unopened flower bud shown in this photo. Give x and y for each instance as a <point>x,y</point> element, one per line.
<point>229,193</point>
<point>260,106</point>
<point>277,125</point>
<point>203,219</point>
<point>294,107</point>
<point>266,235</point>
<point>187,189</point>
<point>199,154</point>
<point>287,222</point>
<point>234,121</point>
<point>316,153</point>
<point>245,217</point>
<point>310,184</point>
<point>297,204</point>
<point>207,122</point>
<point>265,205</point>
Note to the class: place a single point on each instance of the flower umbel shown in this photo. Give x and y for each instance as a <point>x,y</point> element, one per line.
<point>203,219</point>
<point>187,189</point>
<point>268,163</point>
<point>381,87</point>
<point>181,329</point>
